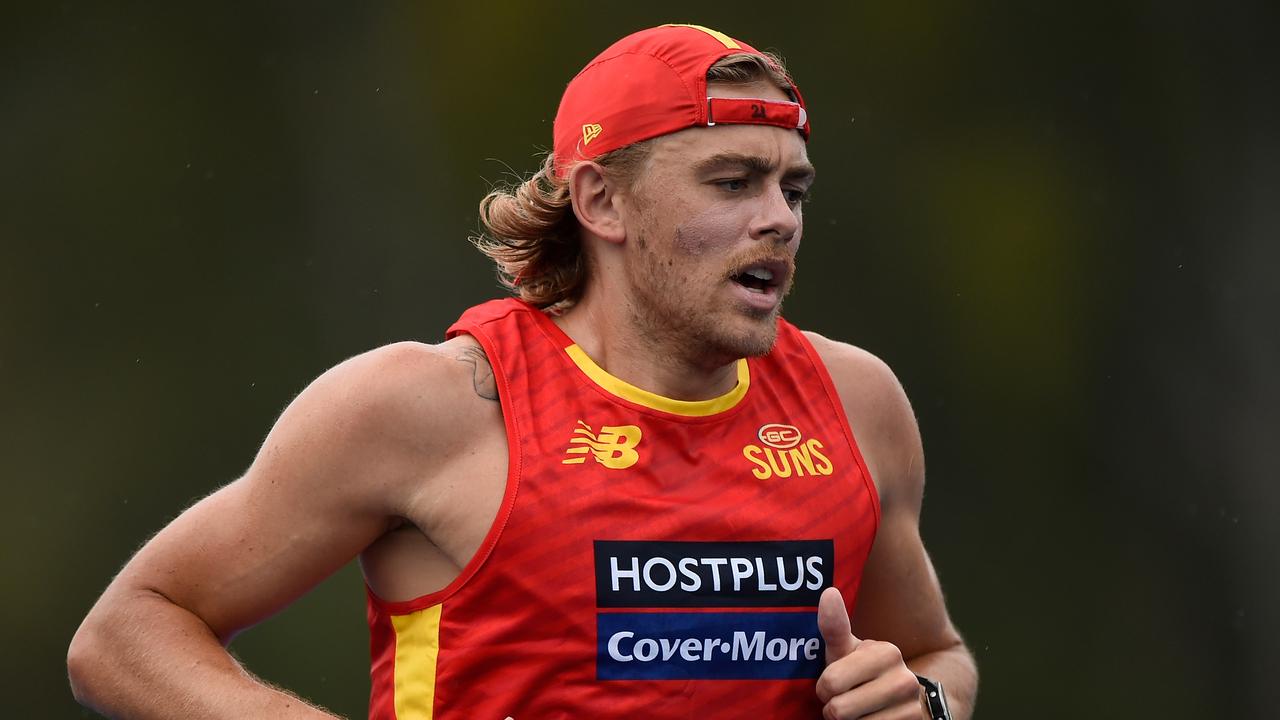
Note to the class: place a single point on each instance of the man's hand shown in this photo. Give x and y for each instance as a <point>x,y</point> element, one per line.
<point>864,678</point>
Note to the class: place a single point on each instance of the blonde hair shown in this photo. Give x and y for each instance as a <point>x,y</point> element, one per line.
<point>529,230</point>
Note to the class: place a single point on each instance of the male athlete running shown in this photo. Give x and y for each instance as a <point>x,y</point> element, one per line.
<point>631,491</point>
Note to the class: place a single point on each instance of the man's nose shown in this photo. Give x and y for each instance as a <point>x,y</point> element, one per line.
<point>777,220</point>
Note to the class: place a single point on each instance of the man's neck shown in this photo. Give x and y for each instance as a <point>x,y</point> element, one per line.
<point>667,366</point>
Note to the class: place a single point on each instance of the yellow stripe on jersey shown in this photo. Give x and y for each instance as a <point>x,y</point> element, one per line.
<point>417,647</point>
<point>627,391</point>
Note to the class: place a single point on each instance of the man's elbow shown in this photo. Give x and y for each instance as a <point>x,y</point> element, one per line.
<point>87,662</point>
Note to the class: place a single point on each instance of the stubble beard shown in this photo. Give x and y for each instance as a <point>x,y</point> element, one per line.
<point>677,315</point>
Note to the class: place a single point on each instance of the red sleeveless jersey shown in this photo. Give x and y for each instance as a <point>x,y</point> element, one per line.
<point>652,558</point>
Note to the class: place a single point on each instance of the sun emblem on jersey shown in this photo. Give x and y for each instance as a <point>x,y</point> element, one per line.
<point>783,452</point>
<point>614,446</point>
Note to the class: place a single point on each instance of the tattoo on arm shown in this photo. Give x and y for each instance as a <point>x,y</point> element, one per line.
<point>482,379</point>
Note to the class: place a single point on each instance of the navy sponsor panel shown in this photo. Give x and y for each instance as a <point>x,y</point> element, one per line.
<point>667,574</point>
<point>708,646</point>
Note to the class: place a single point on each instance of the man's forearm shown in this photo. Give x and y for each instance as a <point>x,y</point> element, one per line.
<point>144,657</point>
<point>956,670</point>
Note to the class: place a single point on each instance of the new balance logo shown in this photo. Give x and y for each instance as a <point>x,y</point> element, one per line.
<point>614,446</point>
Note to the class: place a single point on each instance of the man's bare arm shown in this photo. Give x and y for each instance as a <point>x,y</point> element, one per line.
<point>339,468</point>
<point>900,601</point>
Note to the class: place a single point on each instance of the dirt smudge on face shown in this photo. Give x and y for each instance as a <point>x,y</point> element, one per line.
<point>703,231</point>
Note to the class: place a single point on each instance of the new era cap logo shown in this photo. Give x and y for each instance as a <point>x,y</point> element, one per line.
<point>590,132</point>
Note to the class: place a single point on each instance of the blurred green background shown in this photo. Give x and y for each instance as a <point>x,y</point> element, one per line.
<point>1058,222</point>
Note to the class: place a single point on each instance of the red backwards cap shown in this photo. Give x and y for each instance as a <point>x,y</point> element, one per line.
<point>652,83</point>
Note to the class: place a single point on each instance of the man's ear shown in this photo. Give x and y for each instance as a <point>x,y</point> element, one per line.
<point>596,202</point>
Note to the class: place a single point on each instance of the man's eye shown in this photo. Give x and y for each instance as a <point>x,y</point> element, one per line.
<point>733,184</point>
<point>795,197</point>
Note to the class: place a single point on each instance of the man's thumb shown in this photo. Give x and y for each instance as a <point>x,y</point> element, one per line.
<point>833,623</point>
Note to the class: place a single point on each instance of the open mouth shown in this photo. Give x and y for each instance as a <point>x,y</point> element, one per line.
<point>760,278</point>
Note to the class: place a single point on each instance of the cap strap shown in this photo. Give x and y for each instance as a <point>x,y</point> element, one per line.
<point>755,111</point>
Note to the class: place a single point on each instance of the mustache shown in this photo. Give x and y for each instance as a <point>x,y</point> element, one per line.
<point>746,260</point>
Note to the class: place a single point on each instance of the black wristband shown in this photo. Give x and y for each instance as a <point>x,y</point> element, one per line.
<point>935,698</point>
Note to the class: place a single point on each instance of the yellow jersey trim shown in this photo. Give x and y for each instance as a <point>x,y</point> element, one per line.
<point>417,648</point>
<point>627,391</point>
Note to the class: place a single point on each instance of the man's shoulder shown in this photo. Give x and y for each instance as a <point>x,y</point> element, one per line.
<point>405,391</point>
<point>877,407</point>
<point>401,370</point>
<point>853,366</point>
<point>410,361</point>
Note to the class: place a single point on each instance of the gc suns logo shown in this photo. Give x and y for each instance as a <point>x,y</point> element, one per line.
<point>783,452</point>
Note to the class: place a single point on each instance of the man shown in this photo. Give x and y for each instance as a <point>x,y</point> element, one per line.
<point>633,492</point>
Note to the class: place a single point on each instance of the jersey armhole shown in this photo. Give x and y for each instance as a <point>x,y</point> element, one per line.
<point>508,497</point>
<point>834,398</point>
